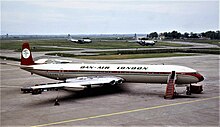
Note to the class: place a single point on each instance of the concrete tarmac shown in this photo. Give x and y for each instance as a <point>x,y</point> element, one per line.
<point>131,104</point>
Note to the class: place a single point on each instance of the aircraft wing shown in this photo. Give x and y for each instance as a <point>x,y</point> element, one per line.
<point>58,85</point>
<point>78,83</point>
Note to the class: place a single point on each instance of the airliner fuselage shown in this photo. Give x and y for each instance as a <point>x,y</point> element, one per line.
<point>129,72</point>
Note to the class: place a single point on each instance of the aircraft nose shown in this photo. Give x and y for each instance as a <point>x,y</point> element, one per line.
<point>200,77</point>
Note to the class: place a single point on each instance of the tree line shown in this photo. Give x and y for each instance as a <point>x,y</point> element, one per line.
<point>177,35</point>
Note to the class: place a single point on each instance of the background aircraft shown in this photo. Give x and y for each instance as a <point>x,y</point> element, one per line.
<point>81,41</point>
<point>144,42</point>
<point>81,76</point>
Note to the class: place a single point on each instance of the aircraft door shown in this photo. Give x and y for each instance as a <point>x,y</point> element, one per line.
<point>61,73</point>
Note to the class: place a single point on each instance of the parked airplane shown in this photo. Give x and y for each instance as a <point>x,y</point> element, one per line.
<point>144,42</point>
<point>81,41</point>
<point>81,76</point>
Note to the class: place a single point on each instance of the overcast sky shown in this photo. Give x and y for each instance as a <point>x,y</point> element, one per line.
<point>107,16</point>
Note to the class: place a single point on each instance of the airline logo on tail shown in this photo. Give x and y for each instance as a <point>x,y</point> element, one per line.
<point>26,53</point>
<point>26,57</point>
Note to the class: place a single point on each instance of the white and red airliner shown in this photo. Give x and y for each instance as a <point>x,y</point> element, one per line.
<point>87,75</point>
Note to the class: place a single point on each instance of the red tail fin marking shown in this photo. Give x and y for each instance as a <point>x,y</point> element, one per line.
<point>26,56</point>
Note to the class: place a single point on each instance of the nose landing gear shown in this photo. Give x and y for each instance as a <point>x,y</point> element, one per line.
<point>197,89</point>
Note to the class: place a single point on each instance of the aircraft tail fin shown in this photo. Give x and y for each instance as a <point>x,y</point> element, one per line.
<point>69,37</point>
<point>135,36</point>
<point>26,56</point>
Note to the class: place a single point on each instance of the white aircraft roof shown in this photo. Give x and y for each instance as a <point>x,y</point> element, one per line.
<point>114,67</point>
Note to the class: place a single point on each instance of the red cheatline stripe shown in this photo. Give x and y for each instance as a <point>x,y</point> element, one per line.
<point>89,71</point>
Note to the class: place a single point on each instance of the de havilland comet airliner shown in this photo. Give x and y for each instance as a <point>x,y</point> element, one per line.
<point>83,76</point>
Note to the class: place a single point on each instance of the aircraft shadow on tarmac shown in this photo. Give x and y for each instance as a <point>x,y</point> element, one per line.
<point>94,92</point>
<point>72,97</point>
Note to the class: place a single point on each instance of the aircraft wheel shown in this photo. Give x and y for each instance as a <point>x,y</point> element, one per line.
<point>196,89</point>
<point>188,92</point>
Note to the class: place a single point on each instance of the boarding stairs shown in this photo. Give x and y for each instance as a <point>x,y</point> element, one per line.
<point>170,86</point>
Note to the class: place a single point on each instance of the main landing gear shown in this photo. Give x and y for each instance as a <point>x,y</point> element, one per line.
<point>188,91</point>
<point>56,102</point>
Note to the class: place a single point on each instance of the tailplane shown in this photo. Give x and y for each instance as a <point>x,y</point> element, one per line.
<point>26,56</point>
